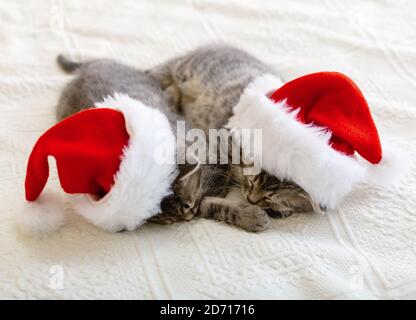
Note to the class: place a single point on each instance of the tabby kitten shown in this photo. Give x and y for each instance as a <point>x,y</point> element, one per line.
<point>194,191</point>
<point>205,193</point>
<point>202,191</point>
<point>204,86</point>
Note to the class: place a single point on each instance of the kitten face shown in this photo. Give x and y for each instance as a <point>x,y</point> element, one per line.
<point>276,197</point>
<point>197,182</point>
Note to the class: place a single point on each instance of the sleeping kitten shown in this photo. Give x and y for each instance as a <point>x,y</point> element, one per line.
<point>98,79</point>
<point>204,193</point>
<point>195,192</point>
<point>204,86</point>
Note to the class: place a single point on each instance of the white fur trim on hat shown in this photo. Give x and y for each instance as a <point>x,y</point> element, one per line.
<point>293,150</point>
<point>146,172</point>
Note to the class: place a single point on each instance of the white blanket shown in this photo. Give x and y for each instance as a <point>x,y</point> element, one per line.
<point>364,249</point>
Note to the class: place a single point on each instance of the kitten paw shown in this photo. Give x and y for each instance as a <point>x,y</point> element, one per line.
<point>252,218</point>
<point>188,216</point>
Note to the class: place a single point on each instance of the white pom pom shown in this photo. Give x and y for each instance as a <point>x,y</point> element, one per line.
<point>391,169</point>
<point>42,216</point>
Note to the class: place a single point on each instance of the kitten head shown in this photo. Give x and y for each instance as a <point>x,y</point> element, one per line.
<point>277,197</point>
<point>199,181</point>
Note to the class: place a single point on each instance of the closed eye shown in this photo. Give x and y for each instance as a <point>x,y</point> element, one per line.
<point>269,196</point>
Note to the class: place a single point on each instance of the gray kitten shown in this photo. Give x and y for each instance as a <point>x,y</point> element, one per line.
<point>204,86</point>
<point>195,192</point>
<point>98,79</point>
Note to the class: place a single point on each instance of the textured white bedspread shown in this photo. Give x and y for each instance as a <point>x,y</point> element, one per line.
<point>364,249</point>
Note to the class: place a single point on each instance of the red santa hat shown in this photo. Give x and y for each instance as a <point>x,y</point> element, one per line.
<point>116,162</point>
<point>312,129</point>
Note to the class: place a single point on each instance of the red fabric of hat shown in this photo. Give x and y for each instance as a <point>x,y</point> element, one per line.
<point>106,161</point>
<point>332,100</point>
<point>87,147</point>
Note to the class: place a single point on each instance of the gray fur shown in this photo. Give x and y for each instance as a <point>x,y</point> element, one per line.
<point>99,78</point>
<point>67,65</point>
<point>204,86</point>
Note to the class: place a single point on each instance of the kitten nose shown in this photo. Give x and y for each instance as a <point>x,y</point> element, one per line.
<point>253,200</point>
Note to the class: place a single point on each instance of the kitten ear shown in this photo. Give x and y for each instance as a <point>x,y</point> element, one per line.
<point>186,170</point>
<point>187,167</point>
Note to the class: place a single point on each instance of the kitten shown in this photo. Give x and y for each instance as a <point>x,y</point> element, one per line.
<point>98,79</point>
<point>197,192</point>
<point>204,193</point>
<point>204,86</point>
